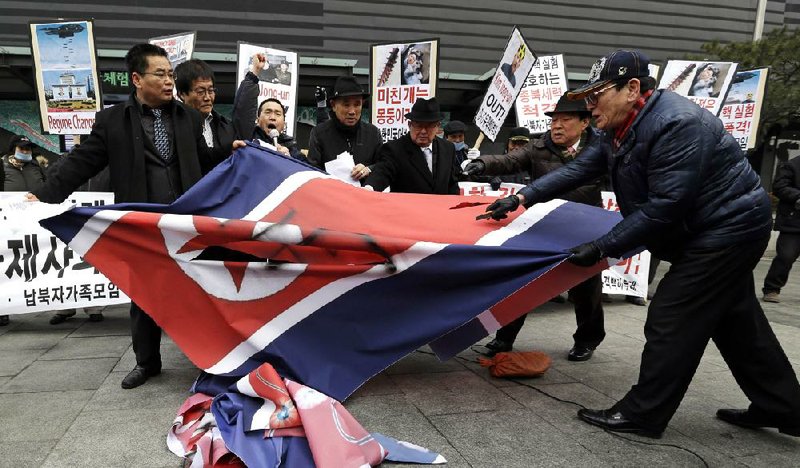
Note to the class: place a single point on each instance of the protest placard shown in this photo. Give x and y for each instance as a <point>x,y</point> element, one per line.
<point>705,83</point>
<point>742,110</point>
<point>507,82</point>
<point>629,276</point>
<point>278,79</point>
<point>65,71</point>
<point>544,85</point>
<point>401,73</point>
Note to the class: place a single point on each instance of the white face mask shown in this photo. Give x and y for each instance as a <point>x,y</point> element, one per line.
<point>26,157</point>
<point>460,145</point>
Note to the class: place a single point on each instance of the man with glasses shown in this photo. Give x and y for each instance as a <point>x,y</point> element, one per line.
<point>266,121</point>
<point>418,162</point>
<point>688,194</point>
<point>569,134</point>
<point>195,84</point>
<point>154,149</point>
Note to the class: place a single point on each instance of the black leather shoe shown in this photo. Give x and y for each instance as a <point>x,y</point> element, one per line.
<point>138,376</point>
<point>745,418</point>
<point>580,353</point>
<point>615,421</point>
<point>497,346</point>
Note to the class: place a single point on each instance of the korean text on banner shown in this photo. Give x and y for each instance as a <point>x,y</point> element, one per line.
<point>39,272</point>
<point>742,110</point>
<point>629,276</point>
<point>545,84</point>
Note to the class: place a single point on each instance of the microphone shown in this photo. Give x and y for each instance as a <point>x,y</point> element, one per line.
<point>273,133</point>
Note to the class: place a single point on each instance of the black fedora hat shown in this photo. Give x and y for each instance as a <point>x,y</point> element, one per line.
<point>348,86</point>
<point>566,104</point>
<point>425,110</point>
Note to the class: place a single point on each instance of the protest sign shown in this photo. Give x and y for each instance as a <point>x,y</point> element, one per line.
<point>629,276</point>
<point>38,272</point>
<point>179,46</point>
<point>518,58</point>
<point>742,110</point>
<point>278,80</point>
<point>705,83</point>
<point>65,70</point>
<point>545,84</point>
<point>401,73</point>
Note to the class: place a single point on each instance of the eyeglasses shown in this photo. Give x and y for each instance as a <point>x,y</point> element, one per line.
<point>162,75</point>
<point>592,98</point>
<point>204,91</point>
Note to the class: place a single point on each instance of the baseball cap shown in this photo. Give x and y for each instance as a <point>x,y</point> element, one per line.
<point>617,66</point>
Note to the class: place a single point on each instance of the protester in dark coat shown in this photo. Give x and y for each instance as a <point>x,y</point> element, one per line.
<point>418,162</point>
<point>196,87</point>
<point>686,192</point>
<point>787,221</point>
<point>154,149</point>
<point>20,173</point>
<point>346,131</point>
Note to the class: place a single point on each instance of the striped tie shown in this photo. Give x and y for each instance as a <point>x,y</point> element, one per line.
<point>160,138</point>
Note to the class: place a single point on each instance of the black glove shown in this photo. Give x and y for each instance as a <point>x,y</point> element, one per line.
<point>585,255</point>
<point>321,96</point>
<point>500,207</point>
<point>474,167</point>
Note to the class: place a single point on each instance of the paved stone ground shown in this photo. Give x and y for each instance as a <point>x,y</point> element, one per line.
<point>61,404</point>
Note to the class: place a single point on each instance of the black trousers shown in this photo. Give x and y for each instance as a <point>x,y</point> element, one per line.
<point>588,315</point>
<point>787,249</point>
<point>710,294</point>
<point>146,337</point>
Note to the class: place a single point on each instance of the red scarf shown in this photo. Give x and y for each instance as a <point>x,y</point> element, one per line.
<point>621,132</point>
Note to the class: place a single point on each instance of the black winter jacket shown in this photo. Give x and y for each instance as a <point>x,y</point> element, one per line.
<point>787,188</point>
<point>680,179</point>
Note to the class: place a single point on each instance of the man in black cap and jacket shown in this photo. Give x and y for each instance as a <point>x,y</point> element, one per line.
<point>418,162</point>
<point>454,133</point>
<point>569,133</point>
<point>346,131</point>
<point>687,193</point>
<point>787,221</point>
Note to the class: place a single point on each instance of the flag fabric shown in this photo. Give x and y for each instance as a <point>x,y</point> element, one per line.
<point>267,421</point>
<point>267,259</point>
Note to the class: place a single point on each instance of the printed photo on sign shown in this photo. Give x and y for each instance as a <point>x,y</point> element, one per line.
<point>509,77</point>
<point>705,83</point>
<point>278,80</point>
<point>544,85</point>
<point>66,76</point>
<point>742,110</point>
<point>401,73</point>
<point>179,47</point>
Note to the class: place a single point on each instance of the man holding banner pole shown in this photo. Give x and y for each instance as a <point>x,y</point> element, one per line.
<point>687,192</point>
<point>569,134</point>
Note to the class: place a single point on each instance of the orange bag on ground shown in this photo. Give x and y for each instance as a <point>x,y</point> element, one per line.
<point>528,364</point>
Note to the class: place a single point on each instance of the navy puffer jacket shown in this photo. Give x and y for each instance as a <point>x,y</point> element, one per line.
<point>680,179</point>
